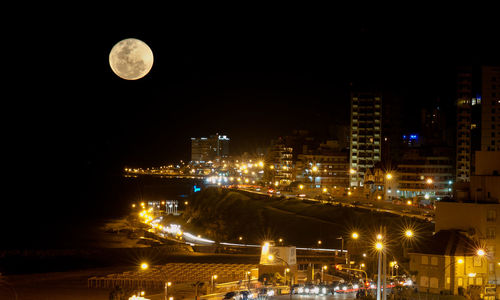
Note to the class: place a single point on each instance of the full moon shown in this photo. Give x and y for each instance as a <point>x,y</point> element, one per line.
<point>131,59</point>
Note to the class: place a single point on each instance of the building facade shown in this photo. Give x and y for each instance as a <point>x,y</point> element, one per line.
<point>448,262</point>
<point>490,110</point>
<point>325,167</point>
<point>280,167</point>
<point>366,134</point>
<point>464,121</point>
<point>425,174</point>
<point>205,149</point>
<point>480,220</point>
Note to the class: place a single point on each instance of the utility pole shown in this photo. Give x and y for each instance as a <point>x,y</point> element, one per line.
<point>384,254</point>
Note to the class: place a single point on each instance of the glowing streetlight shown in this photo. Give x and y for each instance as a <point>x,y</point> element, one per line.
<point>355,235</point>
<point>460,261</point>
<point>352,171</point>
<point>429,181</point>
<point>379,236</point>
<point>379,245</point>
<point>320,242</point>
<point>314,169</point>
<point>144,266</point>
<point>409,233</point>
<point>213,278</point>
<point>388,176</point>
<point>301,186</point>
<point>481,252</point>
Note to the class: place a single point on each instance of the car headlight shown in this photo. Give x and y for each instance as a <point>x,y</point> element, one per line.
<point>323,290</point>
<point>336,288</point>
<point>316,290</point>
<point>270,293</point>
<point>307,290</point>
<point>344,288</point>
<point>301,290</point>
<point>355,286</point>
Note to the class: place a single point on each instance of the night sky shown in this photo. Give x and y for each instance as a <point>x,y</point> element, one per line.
<point>253,77</point>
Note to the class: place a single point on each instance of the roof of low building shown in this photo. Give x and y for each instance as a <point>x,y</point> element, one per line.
<point>448,242</point>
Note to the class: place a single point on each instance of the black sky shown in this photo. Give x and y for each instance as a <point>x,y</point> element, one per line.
<point>253,75</point>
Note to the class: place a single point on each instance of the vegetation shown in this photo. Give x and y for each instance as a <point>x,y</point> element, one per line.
<point>227,214</point>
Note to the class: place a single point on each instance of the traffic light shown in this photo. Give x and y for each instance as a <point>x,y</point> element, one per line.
<point>338,267</point>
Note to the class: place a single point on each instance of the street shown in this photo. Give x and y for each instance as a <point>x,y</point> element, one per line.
<point>312,297</point>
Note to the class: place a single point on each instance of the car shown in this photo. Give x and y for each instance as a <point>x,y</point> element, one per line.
<point>244,295</point>
<point>231,296</point>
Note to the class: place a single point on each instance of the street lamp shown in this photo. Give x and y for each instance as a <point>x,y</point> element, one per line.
<point>145,266</point>
<point>324,268</point>
<point>379,246</point>
<point>213,278</point>
<point>314,170</point>
<point>271,257</point>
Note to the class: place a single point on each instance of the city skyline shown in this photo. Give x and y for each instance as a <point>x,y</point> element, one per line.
<point>254,81</point>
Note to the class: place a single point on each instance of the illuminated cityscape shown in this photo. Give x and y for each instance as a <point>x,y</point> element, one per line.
<point>211,155</point>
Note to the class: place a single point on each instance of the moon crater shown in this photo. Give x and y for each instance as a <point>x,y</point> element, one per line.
<point>131,59</point>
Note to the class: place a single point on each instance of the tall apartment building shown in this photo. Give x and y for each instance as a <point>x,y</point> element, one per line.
<point>206,149</point>
<point>464,121</point>
<point>280,162</point>
<point>490,111</point>
<point>478,96</point>
<point>326,166</point>
<point>366,134</point>
<point>425,172</point>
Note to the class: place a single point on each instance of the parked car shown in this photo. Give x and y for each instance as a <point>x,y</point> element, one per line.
<point>231,296</point>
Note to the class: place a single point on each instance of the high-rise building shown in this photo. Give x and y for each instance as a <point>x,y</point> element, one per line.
<point>464,121</point>
<point>366,133</point>
<point>327,166</point>
<point>490,110</point>
<point>425,173</point>
<point>212,148</point>
<point>280,163</point>
<point>478,96</point>
<point>201,149</point>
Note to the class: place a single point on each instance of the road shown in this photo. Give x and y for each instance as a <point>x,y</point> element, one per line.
<point>311,297</point>
<point>379,206</point>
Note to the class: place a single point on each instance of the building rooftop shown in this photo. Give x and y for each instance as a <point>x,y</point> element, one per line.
<point>448,242</point>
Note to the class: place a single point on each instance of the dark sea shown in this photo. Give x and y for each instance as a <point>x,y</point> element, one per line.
<point>68,213</point>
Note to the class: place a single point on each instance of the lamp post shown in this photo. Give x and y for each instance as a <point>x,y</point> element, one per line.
<point>314,169</point>
<point>145,266</point>
<point>213,278</point>
<point>379,247</point>
<point>325,267</point>
<point>271,257</point>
